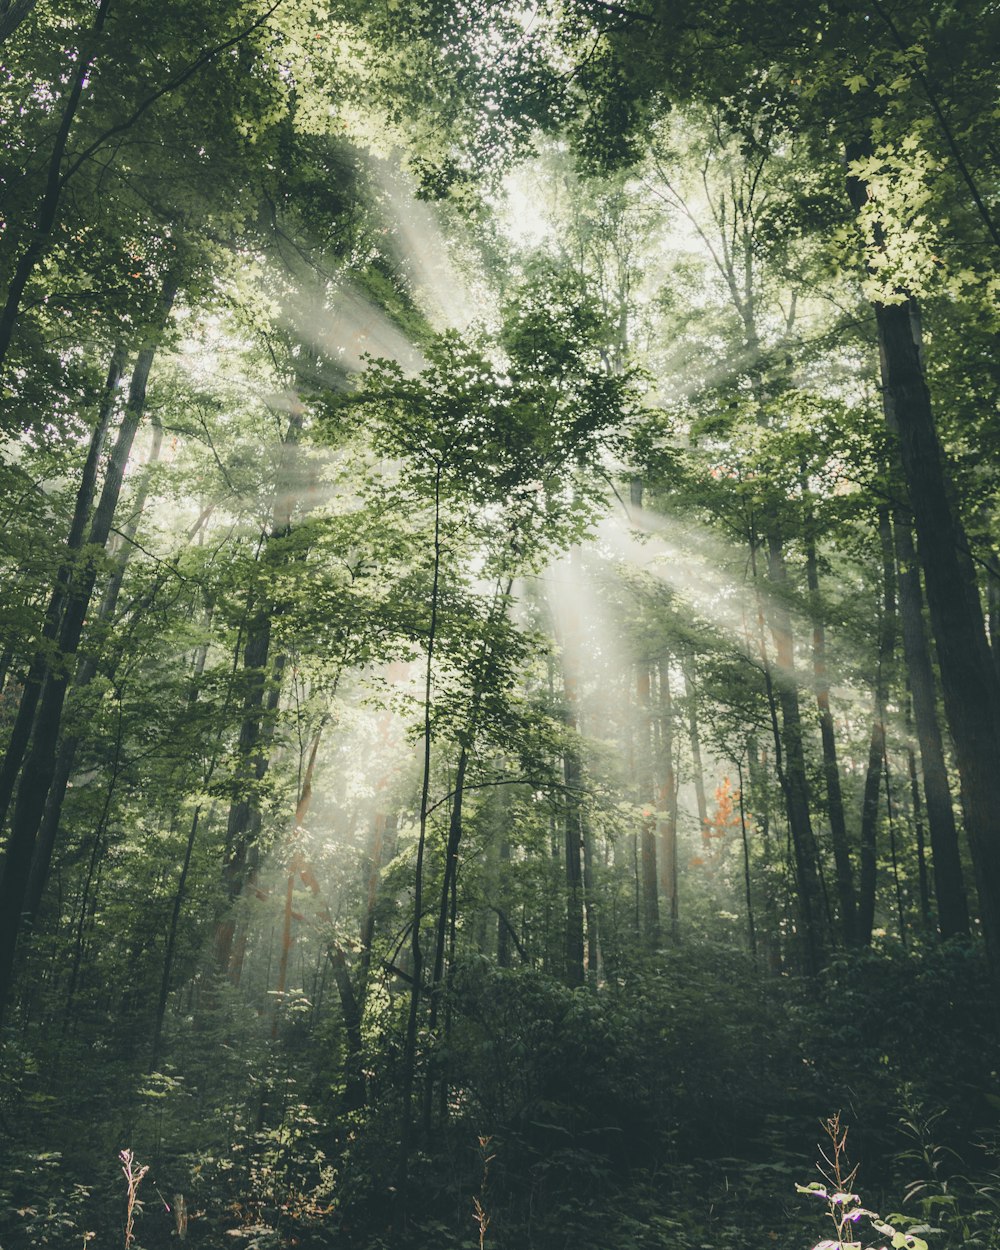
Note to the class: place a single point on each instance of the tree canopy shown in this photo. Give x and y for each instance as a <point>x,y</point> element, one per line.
<point>499,624</point>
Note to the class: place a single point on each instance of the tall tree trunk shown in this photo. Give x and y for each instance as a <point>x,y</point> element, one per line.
<point>416,946</point>
<point>262,693</point>
<point>846,899</point>
<point>573,842</point>
<point>792,771</point>
<point>968,675</point>
<point>573,948</point>
<point>180,893</point>
<point>40,664</point>
<point>66,755</point>
<point>667,800</point>
<point>39,763</point>
<point>647,804</point>
<point>694,737</point>
<point>918,825</point>
<point>877,743</point>
<point>748,892</point>
<point>949,884</point>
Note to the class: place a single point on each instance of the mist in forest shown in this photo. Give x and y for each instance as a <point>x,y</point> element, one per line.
<point>499,617</point>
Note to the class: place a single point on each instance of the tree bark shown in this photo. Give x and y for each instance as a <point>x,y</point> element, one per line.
<point>968,676</point>
<point>667,800</point>
<point>48,208</point>
<point>792,771</point>
<point>40,664</point>
<point>262,693</point>
<point>647,804</point>
<point>694,738</point>
<point>846,898</point>
<point>949,884</point>
<point>12,14</point>
<point>39,764</point>
<point>877,745</point>
<point>66,756</point>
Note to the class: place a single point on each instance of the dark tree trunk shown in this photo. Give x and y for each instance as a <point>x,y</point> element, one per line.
<point>846,898</point>
<point>262,693</point>
<point>39,668</point>
<point>39,764</point>
<point>792,770</point>
<point>66,756</point>
<point>877,747</point>
<point>12,14</point>
<point>694,736</point>
<point>573,844</point>
<point>949,885</point>
<point>667,800</point>
<point>647,805</point>
<point>968,675</point>
<point>48,207</point>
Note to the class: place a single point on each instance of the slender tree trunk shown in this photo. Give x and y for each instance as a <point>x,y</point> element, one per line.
<point>695,739</point>
<point>66,756</point>
<point>918,825</point>
<point>40,664</point>
<point>846,898</point>
<point>667,800</point>
<point>168,955</point>
<point>573,949</point>
<point>503,924</point>
<point>792,772</point>
<point>416,947</point>
<point>877,745</point>
<point>748,892</point>
<point>260,703</point>
<point>647,803</point>
<point>39,764</point>
<point>48,207</point>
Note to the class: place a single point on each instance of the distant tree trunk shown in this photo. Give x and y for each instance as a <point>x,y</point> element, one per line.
<point>760,790</point>
<point>376,850</point>
<point>573,831</point>
<point>918,825</point>
<point>667,799</point>
<point>166,973</point>
<point>416,946</point>
<point>792,766</point>
<point>949,884</point>
<point>748,892</point>
<point>39,763</point>
<point>877,744</point>
<point>847,901</point>
<point>647,803</point>
<point>574,824</point>
<point>503,925</point>
<point>695,739</point>
<point>262,693</point>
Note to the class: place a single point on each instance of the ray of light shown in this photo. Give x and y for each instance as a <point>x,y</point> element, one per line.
<point>347,327</point>
<point>426,257</point>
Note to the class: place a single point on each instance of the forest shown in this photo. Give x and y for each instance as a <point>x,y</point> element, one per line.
<point>499,624</point>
